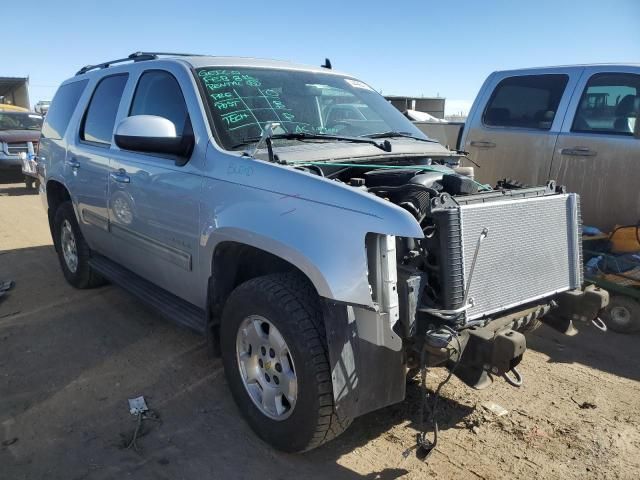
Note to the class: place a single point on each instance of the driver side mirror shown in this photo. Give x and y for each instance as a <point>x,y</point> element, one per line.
<point>152,134</point>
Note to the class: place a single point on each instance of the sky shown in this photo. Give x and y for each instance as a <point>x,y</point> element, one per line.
<point>427,47</point>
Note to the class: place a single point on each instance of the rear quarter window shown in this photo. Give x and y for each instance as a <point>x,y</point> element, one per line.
<point>526,101</point>
<point>62,106</point>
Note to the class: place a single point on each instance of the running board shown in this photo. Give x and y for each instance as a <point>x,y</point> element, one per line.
<point>166,304</point>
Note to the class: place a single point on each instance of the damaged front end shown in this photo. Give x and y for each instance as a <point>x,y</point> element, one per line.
<point>493,264</point>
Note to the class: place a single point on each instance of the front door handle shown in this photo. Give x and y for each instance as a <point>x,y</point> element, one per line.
<point>578,152</point>
<point>120,176</point>
<point>73,163</point>
<point>483,144</point>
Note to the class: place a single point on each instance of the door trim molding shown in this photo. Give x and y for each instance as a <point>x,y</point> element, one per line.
<point>171,254</point>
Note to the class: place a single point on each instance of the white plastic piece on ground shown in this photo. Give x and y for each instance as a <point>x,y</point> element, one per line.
<point>137,405</point>
<point>493,407</point>
<point>390,303</point>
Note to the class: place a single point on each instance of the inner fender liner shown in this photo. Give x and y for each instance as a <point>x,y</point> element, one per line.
<point>367,361</point>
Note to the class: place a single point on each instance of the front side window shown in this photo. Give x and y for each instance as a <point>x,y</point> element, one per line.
<point>243,100</point>
<point>610,104</point>
<point>100,117</point>
<point>158,93</point>
<point>62,106</point>
<point>528,101</point>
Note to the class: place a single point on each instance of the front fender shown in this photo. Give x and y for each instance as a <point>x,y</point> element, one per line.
<point>318,225</point>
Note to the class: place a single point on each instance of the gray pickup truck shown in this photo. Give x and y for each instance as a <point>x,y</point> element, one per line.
<point>321,256</point>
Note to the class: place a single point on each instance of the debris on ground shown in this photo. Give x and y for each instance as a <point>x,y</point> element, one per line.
<point>138,408</point>
<point>5,286</point>
<point>9,442</point>
<point>584,405</point>
<point>137,405</point>
<point>494,408</point>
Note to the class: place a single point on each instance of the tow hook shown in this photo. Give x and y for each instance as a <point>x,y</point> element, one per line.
<point>516,380</point>
<point>599,324</point>
<point>578,305</point>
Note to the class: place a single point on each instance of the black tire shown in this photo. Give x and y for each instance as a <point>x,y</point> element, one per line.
<point>29,182</point>
<point>622,315</point>
<point>291,304</point>
<point>83,276</point>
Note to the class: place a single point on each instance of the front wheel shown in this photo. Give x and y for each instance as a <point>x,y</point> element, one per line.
<point>275,358</point>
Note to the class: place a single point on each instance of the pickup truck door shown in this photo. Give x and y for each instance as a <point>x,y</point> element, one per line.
<point>154,198</point>
<point>514,125</point>
<point>597,154</point>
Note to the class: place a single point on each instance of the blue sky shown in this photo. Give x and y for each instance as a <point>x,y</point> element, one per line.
<point>403,47</point>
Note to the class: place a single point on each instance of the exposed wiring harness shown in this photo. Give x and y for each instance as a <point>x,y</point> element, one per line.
<point>424,447</point>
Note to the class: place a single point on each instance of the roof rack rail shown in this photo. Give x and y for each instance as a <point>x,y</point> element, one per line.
<point>134,57</point>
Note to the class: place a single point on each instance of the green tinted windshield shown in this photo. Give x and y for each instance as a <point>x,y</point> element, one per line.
<point>20,121</point>
<point>243,100</point>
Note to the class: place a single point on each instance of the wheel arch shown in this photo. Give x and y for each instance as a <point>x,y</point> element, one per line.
<point>233,263</point>
<point>57,193</point>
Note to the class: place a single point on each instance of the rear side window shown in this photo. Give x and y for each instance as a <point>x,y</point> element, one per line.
<point>62,107</point>
<point>610,104</point>
<point>158,93</point>
<point>528,101</point>
<point>101,113</point>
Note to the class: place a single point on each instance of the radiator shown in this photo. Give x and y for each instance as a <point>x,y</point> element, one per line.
<point>532,251</point>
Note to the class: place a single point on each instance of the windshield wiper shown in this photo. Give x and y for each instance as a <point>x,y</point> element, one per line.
<point>392,134</point>
<point>385,146</point>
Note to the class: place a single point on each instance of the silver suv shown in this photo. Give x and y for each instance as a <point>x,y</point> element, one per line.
<point>321,255</point>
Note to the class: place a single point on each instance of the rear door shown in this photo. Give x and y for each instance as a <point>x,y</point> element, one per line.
<point>514,134</point>
<point>154,198</point>
<point>87,162</point>
<point>597,154</point>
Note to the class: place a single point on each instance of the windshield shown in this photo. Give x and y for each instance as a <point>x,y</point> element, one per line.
<point>20,121</point>
<point>243,100</point>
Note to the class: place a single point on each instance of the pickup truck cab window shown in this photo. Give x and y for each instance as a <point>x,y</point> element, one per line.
<point>97,125</point>
<point>158,93</point>
<point>527,101</point>
<point>609,104</point>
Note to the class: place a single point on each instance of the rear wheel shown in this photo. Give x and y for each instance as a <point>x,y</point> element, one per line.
<point>275,357</point>
<point>622,315</point>
<point>73,251</point>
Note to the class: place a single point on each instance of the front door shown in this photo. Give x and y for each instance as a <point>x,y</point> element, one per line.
<point>515,134</point>
<point>154,198</point>
<point>597,154</point>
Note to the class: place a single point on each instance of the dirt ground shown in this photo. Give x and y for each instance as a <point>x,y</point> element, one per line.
<point>70,359</point>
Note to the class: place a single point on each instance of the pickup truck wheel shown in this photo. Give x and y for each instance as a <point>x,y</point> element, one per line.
<point>275,358</point>
<point>73,251</point>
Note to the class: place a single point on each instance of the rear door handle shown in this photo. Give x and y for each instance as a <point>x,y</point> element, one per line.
<point>73,163</point>
<point>120,176</point>
<point>578,152</point>
<point>483,144</point>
